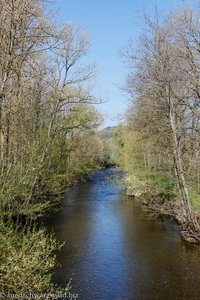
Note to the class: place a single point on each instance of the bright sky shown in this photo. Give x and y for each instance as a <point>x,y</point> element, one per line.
<point>111,24</point>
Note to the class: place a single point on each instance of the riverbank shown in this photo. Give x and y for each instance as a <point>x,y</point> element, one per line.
<point>160,197</point>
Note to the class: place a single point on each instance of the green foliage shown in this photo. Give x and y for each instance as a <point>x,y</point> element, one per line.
<point>163,186</point>
<point>147,185</point>
<point>27,255</point>
<point>75,150</point>
<point>195,196</point>
<point>148,171</point>
<point>117,144</point>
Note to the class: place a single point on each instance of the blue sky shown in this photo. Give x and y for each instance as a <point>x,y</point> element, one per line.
<point>111,24</point>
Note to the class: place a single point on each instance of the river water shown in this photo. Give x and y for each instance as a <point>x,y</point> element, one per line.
<point>115,250</point>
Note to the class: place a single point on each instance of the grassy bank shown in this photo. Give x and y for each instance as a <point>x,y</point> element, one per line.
<point>160,195</point>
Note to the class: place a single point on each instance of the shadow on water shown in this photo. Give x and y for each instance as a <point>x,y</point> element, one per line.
<point>113,250</point>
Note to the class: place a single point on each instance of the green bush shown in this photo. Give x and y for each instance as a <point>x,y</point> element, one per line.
<point>27,256</point>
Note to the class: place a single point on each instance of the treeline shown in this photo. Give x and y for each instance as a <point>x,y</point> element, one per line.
<point>161,138</point>
<point>48,136</point>
<point>47,121</point>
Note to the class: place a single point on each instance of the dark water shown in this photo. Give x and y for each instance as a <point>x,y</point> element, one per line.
<point>114,250</point>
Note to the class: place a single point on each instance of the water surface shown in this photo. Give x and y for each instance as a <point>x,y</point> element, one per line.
<point>114,250</point>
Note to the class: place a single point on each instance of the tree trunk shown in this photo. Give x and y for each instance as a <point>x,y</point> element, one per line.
<point>186,203</point>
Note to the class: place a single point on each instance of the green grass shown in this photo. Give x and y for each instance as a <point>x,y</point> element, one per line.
<point>134,181</point>
<point>195,196</point>
<point>148,184</point>
<point>152,184</point>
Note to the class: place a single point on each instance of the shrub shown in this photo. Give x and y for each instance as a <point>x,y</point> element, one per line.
<point>27,255</point>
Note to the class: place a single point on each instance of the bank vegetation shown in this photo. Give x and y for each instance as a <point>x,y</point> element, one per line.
<point>48,134</point>
<point>159,146</point>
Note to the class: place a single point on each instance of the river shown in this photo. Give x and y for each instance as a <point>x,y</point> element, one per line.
<point>115,250</point>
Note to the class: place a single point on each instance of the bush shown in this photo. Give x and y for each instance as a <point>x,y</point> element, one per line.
<point>27,255</point>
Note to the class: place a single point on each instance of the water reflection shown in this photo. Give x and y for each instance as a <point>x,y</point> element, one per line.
<point>114,251</point>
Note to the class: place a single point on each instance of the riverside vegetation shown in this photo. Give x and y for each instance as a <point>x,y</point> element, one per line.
<point>49,138</point>
<point>159,146</point>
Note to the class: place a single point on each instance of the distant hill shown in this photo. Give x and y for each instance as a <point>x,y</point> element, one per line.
<point>106,133</point>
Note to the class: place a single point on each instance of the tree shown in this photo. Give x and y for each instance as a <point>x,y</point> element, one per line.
<point>163,82</point>
<point>45,96</point>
